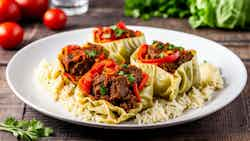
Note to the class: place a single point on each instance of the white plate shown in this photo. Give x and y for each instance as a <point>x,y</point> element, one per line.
<point>21,68</point>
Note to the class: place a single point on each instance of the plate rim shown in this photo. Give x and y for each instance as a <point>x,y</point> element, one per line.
<point>121,126</point>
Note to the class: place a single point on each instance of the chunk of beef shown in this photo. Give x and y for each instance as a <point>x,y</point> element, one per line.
<point>98,82</point>
<point>153,53</point>
<point>119,88</point>
<point>171,67</point>
<point>77,62</point>
<point>80,67</point>
<point>136,72</point>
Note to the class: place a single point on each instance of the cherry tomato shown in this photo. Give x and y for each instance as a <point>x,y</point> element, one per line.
<point>9,11</point>
<point>55,19</point>
<point>33,9</point>
<point>11,35</point>
<point>121,25</point>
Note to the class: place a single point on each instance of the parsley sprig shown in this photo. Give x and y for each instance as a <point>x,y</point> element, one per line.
<point>26,130</point>
<point>103,90</point>
<point>130,77</point>
<point>118,31</point>
<point>91,53</point>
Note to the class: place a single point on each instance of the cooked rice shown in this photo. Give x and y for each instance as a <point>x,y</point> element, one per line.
<point>49,75</point>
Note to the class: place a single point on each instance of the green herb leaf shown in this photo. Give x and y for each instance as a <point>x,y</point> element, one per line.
<point>180,48</point>
<point>91,53</point>
<point>161,55</point>
<point>170,47</point>
<point>124,65</point>
<point>121,73</point>
<point>27,130</point>
<point>103,90</point>
<point>155,42</point>
<point>118,31</point>
<point>131,78</point>
<point>160,46</point>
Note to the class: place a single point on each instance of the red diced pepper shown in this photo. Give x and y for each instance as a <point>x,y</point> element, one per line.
<point>143,81</point>
<point>168,59</point>
<point>136,92</point>
<point>121,25</point>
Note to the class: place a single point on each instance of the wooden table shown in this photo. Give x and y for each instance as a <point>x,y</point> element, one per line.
<point>232,123</point>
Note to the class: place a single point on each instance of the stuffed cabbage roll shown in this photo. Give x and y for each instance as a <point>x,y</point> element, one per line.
<point>77,60</point>
<point>123,91</point>
<point>119,39</point>
<point>175,70</point>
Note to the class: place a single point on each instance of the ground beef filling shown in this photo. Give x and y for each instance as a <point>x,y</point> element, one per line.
<point>154,53</point>
<point>78,61</point>
<point>171,67</point>
<point>117,89</point>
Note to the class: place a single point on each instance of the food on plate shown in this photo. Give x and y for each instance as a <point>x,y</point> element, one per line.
<point>11,35</point>
<point>119,39</point>
<point>175,69</point>
<point>55,19</point>
<point>107,93</point>
<point>163,110</point>
<point>77,60</point>
<point>161,82</point>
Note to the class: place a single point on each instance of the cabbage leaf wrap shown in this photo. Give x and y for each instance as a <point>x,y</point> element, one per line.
<point>123,47</point>
<point>168,85</point>
<point>88,109</point>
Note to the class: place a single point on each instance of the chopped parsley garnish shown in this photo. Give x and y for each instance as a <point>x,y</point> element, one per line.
<point>121,73</point>
<point>155,42</point>
<point>26,130</point>
<point>91,53</point>
<point>118,31</point>
<point>131,78</point>
<point>180,48</point>
<point>161,55</point>
<point>124,65</point>
<point>160,46</point>
<point>103,90</point>
<point>170,47</point>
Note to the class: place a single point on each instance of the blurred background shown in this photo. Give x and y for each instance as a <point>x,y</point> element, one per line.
<point>184,15</point>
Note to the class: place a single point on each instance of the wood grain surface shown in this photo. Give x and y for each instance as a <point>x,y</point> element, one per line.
<point>232,123</point>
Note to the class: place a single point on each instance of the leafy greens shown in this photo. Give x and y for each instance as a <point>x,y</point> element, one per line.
<point>26,130</point>
<point>146,9</point>
<point>220,13</point>
<point>228,14</point>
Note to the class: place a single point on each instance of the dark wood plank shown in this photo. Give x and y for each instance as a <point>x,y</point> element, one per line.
<point>229,124</point>
<point>10,105</point>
